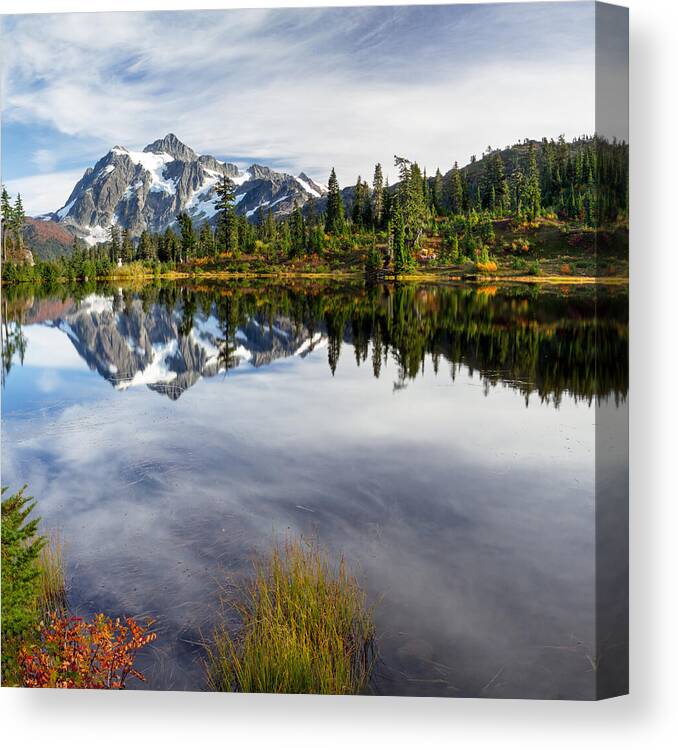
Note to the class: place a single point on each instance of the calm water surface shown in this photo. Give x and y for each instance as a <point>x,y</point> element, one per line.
<point>440,438</point>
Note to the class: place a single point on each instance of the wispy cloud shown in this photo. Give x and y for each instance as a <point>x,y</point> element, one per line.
<point>44,192</point>
<point>305,89</point>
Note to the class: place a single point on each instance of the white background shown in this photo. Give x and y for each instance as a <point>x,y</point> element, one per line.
<point>646,718</point>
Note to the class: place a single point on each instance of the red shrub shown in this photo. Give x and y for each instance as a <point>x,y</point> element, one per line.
<point>73,653</point>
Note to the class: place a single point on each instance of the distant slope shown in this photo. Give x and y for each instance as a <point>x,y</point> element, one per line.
<point>47,239</point>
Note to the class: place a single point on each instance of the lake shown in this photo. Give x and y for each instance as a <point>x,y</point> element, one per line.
<point>441,438</point>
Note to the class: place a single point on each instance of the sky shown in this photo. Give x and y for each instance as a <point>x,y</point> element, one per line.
<point>294,89</point>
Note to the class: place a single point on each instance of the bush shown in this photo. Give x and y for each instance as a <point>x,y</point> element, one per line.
<point>73,653</point>
<point>304,629</point>
<point>488,266</point>
<point>534,269</point>
<point>21,547</point>
<point>519,264</point>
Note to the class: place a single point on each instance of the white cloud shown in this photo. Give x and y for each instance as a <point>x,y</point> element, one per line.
<point>307,89</point>
<point>45,159</point>
<point>45,192</point>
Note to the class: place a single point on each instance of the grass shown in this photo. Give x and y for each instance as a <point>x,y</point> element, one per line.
<point>304,628</point>
<point>51,580</point>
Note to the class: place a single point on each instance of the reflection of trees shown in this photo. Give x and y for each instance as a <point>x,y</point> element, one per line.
<point>13,344</point>
<point>11,334</point>
<point>534,340</point>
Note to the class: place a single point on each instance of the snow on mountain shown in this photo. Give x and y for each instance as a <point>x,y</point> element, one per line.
<point>131,345</point>
<point>147,189</point>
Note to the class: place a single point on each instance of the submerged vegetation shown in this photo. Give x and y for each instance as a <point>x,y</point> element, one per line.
<point>304,628</point>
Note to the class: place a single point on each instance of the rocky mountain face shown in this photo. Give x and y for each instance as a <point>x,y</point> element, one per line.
<point>131,345</point>
<point>139,190</point>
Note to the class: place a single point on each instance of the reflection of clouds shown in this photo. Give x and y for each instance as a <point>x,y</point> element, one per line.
<point>471,515</point>
<point>49,347</point>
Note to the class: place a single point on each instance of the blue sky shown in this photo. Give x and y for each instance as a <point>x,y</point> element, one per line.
<point>296,89</point>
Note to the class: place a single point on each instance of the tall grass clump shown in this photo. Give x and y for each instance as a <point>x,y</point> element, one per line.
<point>51,580</point>
<point>304,628</point>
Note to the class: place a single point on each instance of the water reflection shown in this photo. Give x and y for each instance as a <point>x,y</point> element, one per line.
<point>172,432</point>
<point>167,337</point>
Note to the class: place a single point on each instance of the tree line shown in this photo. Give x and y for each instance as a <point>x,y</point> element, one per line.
<point>584,181</point>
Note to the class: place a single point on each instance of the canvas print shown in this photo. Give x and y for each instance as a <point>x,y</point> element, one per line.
<point>315,350</point>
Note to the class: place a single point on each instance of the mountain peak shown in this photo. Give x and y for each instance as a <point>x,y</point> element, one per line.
<point>171,145</point>
<point>145,190</point>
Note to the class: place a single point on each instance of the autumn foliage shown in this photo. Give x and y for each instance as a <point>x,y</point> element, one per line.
<point>74,653</point>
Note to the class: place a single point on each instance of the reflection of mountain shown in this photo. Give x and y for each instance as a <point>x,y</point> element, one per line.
<point>545,341</point>
<point>130,344</point>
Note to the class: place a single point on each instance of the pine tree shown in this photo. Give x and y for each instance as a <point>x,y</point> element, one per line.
<point>188,240</point>
<point>17,222</point>
<point>6,213</point>
<point>438,199</point>
<point>145,249</point>
<point>206,240</point>
<point>21,547</point>
<point>115,242</point>
<point>378,197</point>
<point>334,213</point>
<point>297,232</point>
<point>357,209</point>
<point>401,256</point>
<point>532,189</point>
<point>228,228</point>
<point>456,191</point>
<point>127,248</point>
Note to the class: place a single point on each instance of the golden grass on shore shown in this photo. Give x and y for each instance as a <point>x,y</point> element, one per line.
<point>304,628</point>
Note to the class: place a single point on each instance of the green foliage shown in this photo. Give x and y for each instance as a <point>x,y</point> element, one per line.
<point>334,213</point>
<point>21,547</point>
<point>583,182</point>
<point>533,268</point>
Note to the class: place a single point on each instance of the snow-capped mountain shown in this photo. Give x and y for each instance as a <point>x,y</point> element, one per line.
<point>131,345</point>
<point>146,189</point>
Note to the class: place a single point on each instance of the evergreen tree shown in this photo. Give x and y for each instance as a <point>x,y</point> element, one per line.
<point>206,241</point>
<point>297,232</point>
<point>532,189</point>
<point>115,242</point>
<point>6,213</point>
<point>334,213</point>
<point>228,228</point>
<point>18,220</point>
<point>145,249</point>
<point>188,240</point>
<point>378,197</point>
<point>401,254</point>
<point>438,199</point>
<point>21,547</point>
<point>127,248</point>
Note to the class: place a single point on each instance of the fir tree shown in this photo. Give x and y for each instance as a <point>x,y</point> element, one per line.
<point>334,213</point>
<point>228,229</point>
<point>378,196</point>
<point>532,189</point>
<point>188,240</point>
<point>6,213</point>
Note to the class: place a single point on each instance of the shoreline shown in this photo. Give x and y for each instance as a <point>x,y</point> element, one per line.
<point>428,277</point>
